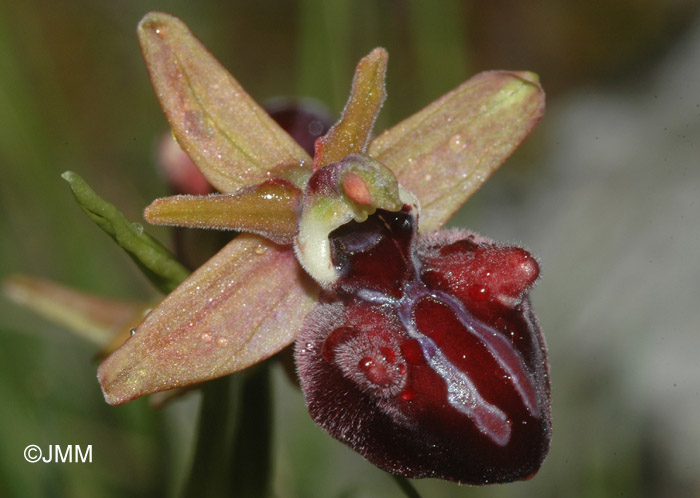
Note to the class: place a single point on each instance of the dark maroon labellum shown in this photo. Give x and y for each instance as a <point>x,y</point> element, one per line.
<point>426,357</point>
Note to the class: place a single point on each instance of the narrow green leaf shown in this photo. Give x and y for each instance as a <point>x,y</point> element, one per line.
<point>152,258</point>
<point>230,138</point>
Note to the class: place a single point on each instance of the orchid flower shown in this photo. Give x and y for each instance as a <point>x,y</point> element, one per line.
<point>416,347</point>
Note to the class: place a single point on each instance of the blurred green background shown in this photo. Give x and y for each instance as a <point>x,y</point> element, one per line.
<point>606,192</point>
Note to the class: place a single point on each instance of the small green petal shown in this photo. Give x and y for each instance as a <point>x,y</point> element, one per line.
<point>152,258</point>
<point>268,209</point>
<point>352,133</point>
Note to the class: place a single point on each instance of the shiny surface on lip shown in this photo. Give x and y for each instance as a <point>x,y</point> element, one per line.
<point>411,367</point>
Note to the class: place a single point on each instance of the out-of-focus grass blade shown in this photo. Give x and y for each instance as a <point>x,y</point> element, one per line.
<point>94,318</point>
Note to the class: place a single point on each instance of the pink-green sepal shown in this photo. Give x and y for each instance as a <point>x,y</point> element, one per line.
<point>228,315</point>
<point>230,138</point>
<point>446,151</point>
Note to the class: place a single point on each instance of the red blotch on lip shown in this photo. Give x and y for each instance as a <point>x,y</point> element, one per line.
<point>489,279</point>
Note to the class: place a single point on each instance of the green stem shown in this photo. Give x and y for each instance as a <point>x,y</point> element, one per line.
<point>406,487</point>
<point>251,470</point>
<point>209,464</point>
